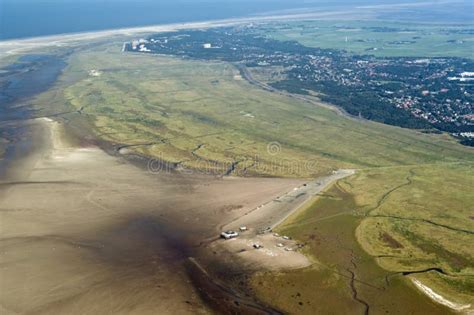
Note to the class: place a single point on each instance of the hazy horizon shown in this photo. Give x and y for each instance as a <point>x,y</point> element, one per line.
<point>30,18</point>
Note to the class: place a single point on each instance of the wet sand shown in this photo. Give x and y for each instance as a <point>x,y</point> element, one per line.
<point>85,232</point>
<point>20,139</point>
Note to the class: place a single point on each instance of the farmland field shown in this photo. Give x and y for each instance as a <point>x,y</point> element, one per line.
<point>379,38</point>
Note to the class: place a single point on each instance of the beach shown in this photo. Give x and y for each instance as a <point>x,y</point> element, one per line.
<point>16,46</point>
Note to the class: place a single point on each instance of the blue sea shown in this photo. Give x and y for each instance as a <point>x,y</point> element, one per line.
<point>30,18</point>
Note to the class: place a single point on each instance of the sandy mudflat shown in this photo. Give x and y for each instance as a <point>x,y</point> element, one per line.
<point>277,252</point>
<point>82,232</point>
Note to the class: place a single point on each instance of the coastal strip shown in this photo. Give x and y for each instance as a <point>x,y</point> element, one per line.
<point>438,298</point>
<point>15,46</point>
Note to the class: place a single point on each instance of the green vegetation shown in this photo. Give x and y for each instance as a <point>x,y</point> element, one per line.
<point>379,38</point>
<point>203,115</point>
<point>406,209</point>
<point>432,230</point>
<point>409,92</point>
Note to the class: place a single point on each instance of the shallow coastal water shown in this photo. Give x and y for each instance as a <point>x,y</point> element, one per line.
<point>19,82</point>
<point>29,75</point>
<point>26,18</point>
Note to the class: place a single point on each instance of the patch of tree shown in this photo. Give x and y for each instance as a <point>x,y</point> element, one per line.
<point>356,103</point>
<point>468,142</point>
<point>363,85</point>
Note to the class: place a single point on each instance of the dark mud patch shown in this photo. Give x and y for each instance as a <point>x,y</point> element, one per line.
<point>439,270</point>
<point>146,249</point>
<point>411,272</point>
<point>223,298</point>
<point>390,241</point>
<point>141,240</point>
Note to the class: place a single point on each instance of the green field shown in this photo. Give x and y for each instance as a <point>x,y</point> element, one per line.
<point>431,206</point>
<point>379,38</point>
<point>203,115</point>
<point>408,208</point>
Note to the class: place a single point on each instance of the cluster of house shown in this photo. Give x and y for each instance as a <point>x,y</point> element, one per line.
<point>140,45</point>
<point>463,77</point>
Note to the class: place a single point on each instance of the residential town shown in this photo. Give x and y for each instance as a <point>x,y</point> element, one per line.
<point>431,94</point>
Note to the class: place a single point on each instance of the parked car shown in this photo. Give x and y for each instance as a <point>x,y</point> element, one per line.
<point>229,234</point>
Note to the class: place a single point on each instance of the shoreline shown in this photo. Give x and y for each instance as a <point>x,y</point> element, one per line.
<point>357,11</point>
<point>438,298</point>
<point>7,47</point>
<point>98,219</point>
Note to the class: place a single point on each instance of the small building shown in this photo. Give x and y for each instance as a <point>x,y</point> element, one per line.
<point>207,45</point>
